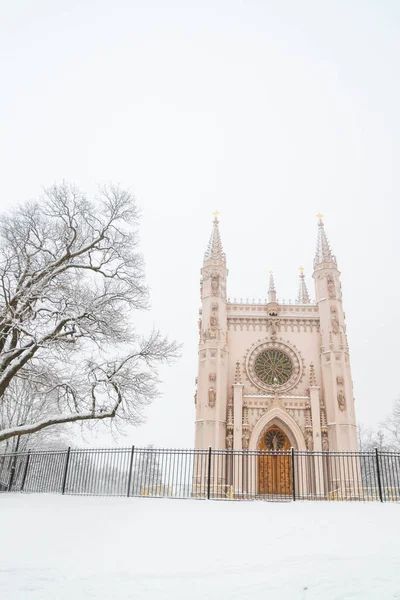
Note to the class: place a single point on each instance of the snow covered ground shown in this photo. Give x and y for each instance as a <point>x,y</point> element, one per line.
<point>74,548</point>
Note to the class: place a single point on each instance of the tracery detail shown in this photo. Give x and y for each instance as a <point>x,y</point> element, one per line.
<point>273,367</point>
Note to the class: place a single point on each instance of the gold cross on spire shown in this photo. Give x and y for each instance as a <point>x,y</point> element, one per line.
<point>216,214</point>
<point>320,216</point>
<point>301,269</point>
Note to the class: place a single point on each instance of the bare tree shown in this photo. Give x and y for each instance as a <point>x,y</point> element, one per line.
<point>20,406</point>
<point>71,282</point>
<point>369,439</point>
<point>392,426</point>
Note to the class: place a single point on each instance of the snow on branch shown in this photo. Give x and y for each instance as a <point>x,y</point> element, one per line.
<point>71,280</point>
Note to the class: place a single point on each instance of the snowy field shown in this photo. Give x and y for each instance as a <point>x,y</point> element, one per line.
<point>74,548</point>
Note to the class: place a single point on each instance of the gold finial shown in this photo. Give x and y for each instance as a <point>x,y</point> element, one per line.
<point>301,269</point>
<point>319,216</point>
<point>270,272</point>
<point>216,213</point>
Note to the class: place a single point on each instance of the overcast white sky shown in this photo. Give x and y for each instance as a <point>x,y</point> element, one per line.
<point>269,111</point>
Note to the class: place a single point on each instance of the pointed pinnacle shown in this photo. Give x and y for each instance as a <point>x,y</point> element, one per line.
<point>303,296</point>
<point>323,252</point>
<point>238,375</point>
<point>214,249</point>
<point>313,381</point>
<point>271,282</point>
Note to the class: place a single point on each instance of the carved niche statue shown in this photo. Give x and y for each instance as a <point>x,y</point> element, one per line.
<point>335,325</point>
<point>334,321</point>
<point>331,286</point>
<point>229,441</point>
<point>211,397</point>
<point>341,400</point>
<point>213,321</point>
<point>309,439</point>
<point>274,325</point>
<point>325,442</point>
<point>214,284</point>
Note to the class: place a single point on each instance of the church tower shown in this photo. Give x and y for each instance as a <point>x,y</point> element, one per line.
<point>337,384</point>
<point>212,380</point>
<point>273,374</point>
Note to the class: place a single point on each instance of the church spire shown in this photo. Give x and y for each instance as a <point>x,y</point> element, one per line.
<point>214,250</point>
<point>303,296</point>
<point>323,252</point>
<point>271,289</point>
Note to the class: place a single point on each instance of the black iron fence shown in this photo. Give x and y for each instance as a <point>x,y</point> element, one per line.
<point>210,474</point>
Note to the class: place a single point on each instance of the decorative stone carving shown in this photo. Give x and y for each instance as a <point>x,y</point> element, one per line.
<point>211,397</point>
<point>325,441</point>
<point>213,322</point>
<point>335,324</point>
<point>257,323</point>
<point>308,417</point>
<point>339,380</point>
<point>331,287</point>
<point>212,376</point>
<point>238,375</point>
<point>323,416</point>
<point>341,400</point>
<point>245,426</point>
<point>275,326</point>
<point>309,439</point>
<point>313,381</point>
<point>229,424</point>
<point>214,284</point>
<point>284,347</point>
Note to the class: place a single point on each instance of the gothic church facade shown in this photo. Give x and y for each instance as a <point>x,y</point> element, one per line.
<point>274,375</point>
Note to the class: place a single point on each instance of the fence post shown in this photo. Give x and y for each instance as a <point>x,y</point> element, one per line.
<point>378,473</point>
<point>65,470</point>
<point>293,476</point>
<point>130,471</point>
<point>12,471</point>
<point>209,474</point>
<point>25,470</point>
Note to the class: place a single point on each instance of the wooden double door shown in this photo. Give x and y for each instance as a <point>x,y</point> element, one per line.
<point>274,468</point>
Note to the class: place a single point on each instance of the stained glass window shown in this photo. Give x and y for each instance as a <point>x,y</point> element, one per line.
<point>274,439</point>
<point>273,367</point>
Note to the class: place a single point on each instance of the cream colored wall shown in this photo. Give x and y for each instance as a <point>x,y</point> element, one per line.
<point>255,328</point>
<point>250,325</point>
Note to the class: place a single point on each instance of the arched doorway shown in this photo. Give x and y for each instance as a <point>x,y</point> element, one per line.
<point>274,467</point>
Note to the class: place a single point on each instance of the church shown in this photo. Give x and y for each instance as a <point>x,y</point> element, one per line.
<point>274,375</point>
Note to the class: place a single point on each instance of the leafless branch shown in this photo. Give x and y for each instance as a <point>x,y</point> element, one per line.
<point>71,281</point>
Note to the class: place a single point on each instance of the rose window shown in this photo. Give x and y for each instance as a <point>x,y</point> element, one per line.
<point>273,367</point>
